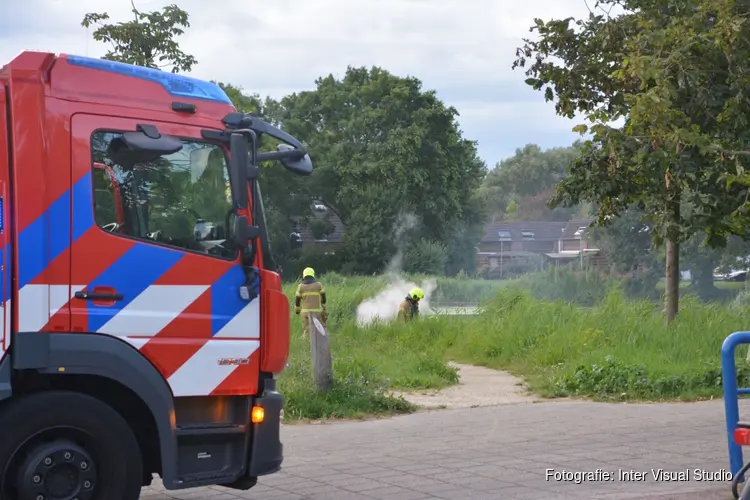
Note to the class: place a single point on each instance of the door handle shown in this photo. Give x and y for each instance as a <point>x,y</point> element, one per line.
<point>104,294</point>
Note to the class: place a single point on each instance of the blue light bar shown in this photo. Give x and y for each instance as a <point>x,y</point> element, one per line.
<point>176,85</point>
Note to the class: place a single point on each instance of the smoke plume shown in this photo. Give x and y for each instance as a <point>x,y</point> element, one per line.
<point>384,306</point>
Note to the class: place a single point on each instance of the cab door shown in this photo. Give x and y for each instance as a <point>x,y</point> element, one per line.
<point>152,262</point>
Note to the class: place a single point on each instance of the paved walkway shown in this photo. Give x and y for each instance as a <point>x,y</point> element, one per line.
<point>499,453</point>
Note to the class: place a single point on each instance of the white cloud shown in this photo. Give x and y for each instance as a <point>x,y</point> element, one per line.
<point>277,47</point>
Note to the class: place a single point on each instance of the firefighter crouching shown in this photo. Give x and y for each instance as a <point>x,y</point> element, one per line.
<point>409,307</point>
<point>310,299</point>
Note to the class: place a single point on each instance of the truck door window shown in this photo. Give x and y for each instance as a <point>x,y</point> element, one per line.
<point>181,200</point>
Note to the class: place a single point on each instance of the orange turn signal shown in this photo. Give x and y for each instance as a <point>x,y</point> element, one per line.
<point>257,414</point>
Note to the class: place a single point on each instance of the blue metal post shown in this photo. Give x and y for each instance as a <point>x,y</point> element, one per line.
<point>731,394</point>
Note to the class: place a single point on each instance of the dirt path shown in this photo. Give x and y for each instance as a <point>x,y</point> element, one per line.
<point>478,386</point>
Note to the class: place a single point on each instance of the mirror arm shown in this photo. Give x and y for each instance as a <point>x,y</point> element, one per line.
<point>295,154</point>
<point>263,127</point>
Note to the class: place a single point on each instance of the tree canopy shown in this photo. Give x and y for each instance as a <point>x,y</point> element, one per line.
<point>519,187</point>
<point>383,147</point>
<point>674,75</point>
<point>148,40</point>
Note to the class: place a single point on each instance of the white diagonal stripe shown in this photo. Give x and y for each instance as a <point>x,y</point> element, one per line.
<point>33,307</point>
<point>60,295</point>
<point>202,373</point>
<point>246,324</point>
<point>137,343</point>
<point>38,303</point>
<point>152,310</point>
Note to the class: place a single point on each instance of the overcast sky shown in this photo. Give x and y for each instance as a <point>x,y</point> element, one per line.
<point>462,49</point>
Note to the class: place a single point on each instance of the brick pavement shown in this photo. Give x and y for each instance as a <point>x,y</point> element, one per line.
<point>499,452</point>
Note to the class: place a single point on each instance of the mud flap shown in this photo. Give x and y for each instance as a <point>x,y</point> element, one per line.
<point>266,450</point>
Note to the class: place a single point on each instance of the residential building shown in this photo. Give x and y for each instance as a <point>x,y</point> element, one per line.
<point>323,228</point>
<point>535,244</point>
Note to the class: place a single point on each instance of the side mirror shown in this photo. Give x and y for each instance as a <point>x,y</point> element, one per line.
<point>142,146</point>
<point>238,169</point>
<point>163,144</point>
<point>299,166</point>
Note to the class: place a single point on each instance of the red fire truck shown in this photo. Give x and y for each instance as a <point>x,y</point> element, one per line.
<point>142,324</point>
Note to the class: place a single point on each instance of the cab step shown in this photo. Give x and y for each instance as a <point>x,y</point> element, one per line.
<point>210,429</point>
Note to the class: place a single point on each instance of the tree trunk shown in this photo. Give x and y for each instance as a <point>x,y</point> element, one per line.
<point>672,280</point>
<point>320,350</point>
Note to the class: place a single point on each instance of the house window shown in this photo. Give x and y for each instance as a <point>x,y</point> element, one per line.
<point>503,235</point>
<point>493,263</point>
<point>527,235</point>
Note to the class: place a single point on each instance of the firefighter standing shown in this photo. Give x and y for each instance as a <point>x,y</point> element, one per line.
<point>410,305</point>
<point>310,299</point>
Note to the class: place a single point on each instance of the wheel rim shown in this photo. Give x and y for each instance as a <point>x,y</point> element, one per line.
<point>55,464</point>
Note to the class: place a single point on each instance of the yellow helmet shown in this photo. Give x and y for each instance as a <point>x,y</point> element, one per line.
<point>309,271</point>
<point>416,293</point>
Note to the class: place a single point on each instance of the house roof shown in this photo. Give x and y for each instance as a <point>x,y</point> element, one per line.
<point>543,231</point>
<point>322,213</point>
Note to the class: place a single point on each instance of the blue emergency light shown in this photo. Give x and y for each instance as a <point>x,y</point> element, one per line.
<point>176,85</point>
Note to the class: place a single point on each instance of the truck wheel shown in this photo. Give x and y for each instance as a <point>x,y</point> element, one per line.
<point>65,446</point>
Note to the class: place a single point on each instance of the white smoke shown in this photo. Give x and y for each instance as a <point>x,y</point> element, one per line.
<point>384,306</point>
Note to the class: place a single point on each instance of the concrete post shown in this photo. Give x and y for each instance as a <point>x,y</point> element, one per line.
<point>320,350</point>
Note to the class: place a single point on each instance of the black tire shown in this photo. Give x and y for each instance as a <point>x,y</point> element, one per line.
<point>82,419</point>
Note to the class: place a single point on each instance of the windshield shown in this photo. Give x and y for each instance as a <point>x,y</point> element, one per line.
<point>182,199</point>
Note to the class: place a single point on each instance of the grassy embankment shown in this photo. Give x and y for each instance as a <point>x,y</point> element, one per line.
<point>616,349</point>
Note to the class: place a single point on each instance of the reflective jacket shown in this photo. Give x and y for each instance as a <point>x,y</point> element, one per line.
<point>408,309</point>
<point>310,296</point>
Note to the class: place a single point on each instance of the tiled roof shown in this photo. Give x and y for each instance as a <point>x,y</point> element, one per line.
<point>543,230</point>
<point>322,213</point>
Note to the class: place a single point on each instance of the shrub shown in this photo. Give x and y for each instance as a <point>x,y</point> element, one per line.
<point>565,283</point>
<point>426,257</point>
<point>465,291</point>
<point>322,259</point>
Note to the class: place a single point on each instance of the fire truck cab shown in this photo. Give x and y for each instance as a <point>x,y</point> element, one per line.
<point>142,327</point>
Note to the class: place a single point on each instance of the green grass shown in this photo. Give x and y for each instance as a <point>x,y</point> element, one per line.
<point>368,363</point>
<point>617,349</point>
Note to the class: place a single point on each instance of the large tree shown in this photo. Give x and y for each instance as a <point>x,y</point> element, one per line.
<point>147,40</point>
<point>525,182</point>
<point>383,146</point>
<point>674,74</point>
